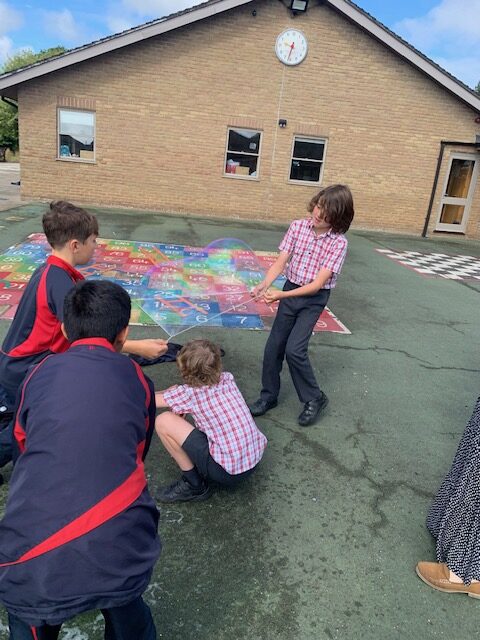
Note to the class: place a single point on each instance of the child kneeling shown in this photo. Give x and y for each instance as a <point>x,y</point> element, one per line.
<point>225,445</point>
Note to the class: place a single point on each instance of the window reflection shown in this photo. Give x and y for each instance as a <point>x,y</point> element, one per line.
<point>76,134</point>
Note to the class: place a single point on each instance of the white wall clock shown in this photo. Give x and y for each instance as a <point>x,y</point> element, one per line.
<point>291,47</point>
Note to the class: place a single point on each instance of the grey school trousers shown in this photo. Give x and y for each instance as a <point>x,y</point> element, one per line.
<point>289,337</point>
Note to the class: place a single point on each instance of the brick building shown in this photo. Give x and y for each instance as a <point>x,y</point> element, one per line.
<point>213,111</point>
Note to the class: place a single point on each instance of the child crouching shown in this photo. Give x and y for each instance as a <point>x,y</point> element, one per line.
<point>225,445</point>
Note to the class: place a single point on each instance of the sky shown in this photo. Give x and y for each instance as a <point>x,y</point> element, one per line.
<point>447,31</point>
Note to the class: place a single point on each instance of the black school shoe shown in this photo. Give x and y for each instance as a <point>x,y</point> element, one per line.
<point>311,410</point>
<point>260,407</point>
<point>182,491</point>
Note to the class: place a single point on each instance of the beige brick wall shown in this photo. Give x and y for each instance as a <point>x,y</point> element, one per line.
<point>163,107</point>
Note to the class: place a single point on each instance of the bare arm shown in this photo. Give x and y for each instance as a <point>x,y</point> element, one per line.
<point>272,274</point>
<point>148,348</point>
<point>160,401</point>
<point>307,290</point>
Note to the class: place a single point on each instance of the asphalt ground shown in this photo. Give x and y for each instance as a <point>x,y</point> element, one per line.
<point>321,542</point>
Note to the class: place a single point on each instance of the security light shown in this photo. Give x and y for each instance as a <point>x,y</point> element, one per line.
<point>299,6</point>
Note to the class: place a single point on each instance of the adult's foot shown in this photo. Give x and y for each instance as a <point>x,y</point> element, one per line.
<point>312,410</point>
<point>260,407</point>
<point>437,576</point>
<point>182,491</point>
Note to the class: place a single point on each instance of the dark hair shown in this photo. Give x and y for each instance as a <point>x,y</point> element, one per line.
<point>96,309</point>
<point>64,221</point>
<point>200,363</point>
<point>337,204</point>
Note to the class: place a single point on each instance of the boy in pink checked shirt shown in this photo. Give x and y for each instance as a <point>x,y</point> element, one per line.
<point>314,249</point>
<point>225,445</point>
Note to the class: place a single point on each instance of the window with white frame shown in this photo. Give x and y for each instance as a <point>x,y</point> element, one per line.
<point>308,155</point>
<point>243,152</point>
<point>76,135</point>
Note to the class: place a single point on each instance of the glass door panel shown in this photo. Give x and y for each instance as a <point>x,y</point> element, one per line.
<point>452,214</point>
<point>457,196</point>
<point>460,178</point>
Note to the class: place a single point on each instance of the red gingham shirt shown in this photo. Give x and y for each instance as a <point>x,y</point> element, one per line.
<point>220,411</point>
<point>309,252</point>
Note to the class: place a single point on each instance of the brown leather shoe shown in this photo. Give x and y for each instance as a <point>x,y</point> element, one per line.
<point>436,575</point>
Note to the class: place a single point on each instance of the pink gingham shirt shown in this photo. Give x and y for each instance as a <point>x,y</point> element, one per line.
<point>309,252</point>
<point>220,411</point>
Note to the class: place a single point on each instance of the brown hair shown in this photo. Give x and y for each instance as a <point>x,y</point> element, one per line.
<point>63,221</point>
<point>337,203</point>
<point>200,363</point>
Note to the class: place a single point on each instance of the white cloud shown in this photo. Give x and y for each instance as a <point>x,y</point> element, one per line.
<point>6,48</point>
<point>10,19</point>
<point>449,34</point>
<point>117,23</point>
<point>158,8</point>
<point>130,13</point>
<point>62,25</point>
<point>466,69</point>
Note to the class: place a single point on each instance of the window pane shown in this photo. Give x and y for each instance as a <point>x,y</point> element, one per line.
<point>308,149</point>
<point>460,178</point>
<point>77,133</point>
<point>244,140</point>
<point>452,214</point>
<point>304,170</point>
<point>241,165</point>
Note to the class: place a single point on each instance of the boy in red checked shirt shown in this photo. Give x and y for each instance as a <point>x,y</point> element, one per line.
<point>225,445</point>
<point>314,249</point>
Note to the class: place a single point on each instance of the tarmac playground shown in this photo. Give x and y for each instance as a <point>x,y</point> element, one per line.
<point>321,542</point>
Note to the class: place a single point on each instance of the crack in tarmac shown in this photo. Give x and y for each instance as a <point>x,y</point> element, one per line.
<point>384,490</point>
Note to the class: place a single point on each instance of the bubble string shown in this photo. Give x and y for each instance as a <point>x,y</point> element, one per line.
<point>217,315</point>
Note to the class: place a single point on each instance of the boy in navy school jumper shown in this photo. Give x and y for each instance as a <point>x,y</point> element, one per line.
<point>35,331</point>
<point>315,250</point>
<point>225,446</point>
<point>80,527</point>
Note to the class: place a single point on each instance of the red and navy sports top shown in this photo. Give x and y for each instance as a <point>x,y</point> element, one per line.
<point>36,328</point>
<point>80,527</point>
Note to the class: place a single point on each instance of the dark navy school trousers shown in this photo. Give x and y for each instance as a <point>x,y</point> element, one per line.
<point>133,621</point>
<point>289,338</point>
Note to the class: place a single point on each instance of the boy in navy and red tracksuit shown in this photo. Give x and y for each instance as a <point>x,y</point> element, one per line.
<point>80,528</point>
<point>35,331</point>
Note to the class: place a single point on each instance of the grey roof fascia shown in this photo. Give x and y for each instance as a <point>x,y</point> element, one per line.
<point>124,39</point>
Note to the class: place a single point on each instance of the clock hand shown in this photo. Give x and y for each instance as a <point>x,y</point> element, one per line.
<point>292,47</point>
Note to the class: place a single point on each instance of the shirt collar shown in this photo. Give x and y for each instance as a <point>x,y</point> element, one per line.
<point>330,232</point>
<point>93,342</point>
<point>63,264</point>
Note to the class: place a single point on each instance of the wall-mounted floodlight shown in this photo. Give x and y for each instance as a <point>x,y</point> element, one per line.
<point>299,6</point>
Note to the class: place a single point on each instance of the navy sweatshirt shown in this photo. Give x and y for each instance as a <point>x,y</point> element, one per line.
<point>80,527</point>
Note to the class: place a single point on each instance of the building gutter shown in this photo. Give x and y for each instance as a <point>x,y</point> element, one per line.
<point>443,144</point>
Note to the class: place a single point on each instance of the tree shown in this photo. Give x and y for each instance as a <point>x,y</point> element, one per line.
<point>9,112</point>
<point>25,57</point>
<point>477,88</point>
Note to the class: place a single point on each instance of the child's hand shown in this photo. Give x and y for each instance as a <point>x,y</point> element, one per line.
<point>257,291</point>
<point>151,347</point>
<point>271,295</point>
<point>159,400</point>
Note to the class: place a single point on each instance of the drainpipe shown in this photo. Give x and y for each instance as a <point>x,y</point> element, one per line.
<point>443,144</point>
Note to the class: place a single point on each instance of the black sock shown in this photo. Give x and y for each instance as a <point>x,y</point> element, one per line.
<point>193,478</point>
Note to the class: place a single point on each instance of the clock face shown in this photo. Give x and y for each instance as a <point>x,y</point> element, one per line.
<point>291,47</point>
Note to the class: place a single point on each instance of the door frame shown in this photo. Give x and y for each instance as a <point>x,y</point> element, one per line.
<point>465,202</point>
